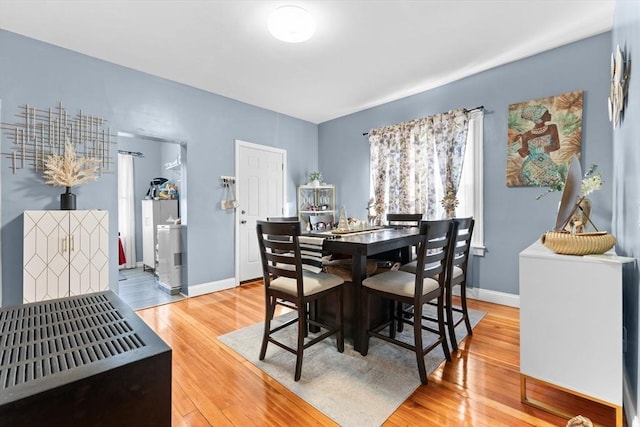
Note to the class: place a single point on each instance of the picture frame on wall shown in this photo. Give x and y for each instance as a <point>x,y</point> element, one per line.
<point>542,137</point>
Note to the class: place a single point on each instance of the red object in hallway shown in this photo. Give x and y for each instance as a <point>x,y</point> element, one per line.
<point>122,257</point>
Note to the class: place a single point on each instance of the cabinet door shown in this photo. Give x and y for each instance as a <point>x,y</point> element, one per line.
<point>45,255</point>
<point>88,251</point>
<point>148,233</point>
<point>154,213</point>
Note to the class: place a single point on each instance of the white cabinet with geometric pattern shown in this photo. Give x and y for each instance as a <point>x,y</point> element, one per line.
<point>65,253</point>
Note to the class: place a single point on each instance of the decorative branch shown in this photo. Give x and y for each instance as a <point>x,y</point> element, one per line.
<point>69,170</point>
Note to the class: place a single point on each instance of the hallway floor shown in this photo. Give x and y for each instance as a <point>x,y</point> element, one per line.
<point>140,290</point>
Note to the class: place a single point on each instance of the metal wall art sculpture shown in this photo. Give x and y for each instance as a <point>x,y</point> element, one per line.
<point>42,133</point>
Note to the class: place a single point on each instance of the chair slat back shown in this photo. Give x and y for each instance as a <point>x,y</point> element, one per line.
<point>310,247</point>
<point>280,250</point>
<point>282,218</point>
<point>434,251</point>
<point>462,238</point>
<point>404,219</point>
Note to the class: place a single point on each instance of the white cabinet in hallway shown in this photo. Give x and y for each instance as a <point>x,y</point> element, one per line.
<point>154,213</point>
<point>65,253</point>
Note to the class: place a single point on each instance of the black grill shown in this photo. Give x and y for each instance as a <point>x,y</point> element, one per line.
<point>82,360</point>
<point>52,337</point>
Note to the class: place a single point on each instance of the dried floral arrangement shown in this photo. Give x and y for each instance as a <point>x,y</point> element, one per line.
<point>591,181</point>
<point>69,170</point>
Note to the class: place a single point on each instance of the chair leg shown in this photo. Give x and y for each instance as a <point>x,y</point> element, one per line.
<point>313,314</point>
<point>302,331</point>
<point>270,308</point>
<point>418,346</point>
<point>463,304</point>
<point>394,318</point>
<point>400,316</point>
<point>441,329</point>
<point>339,314</point>
<point>364,346</point>
<point>449,319</point>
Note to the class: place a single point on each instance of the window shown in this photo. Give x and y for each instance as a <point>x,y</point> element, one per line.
<point>470,190</point>
<point>406,168</point>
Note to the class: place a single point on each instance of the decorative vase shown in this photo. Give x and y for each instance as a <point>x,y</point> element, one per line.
<point>68,200</point>
<point>315,183</point>
<point>343,223</point>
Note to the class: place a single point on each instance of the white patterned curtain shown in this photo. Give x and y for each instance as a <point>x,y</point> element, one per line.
<point>412,162</point>
<point>126,209</point>
<point>449,135</point>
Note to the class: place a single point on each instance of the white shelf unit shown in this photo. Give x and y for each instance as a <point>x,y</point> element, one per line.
<point>316,200</point>
<point>169,258</point>
<point>65,253</point>
<point>571,333</point>
<point>154,213</point>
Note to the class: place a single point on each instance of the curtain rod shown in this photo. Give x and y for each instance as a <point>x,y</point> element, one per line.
<point>481,107</point>
<point>131,153</point>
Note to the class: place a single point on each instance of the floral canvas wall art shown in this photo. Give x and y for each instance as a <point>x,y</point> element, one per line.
<point>542,137</point>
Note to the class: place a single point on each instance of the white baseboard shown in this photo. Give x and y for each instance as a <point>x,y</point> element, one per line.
<point>494,297</point>
<point>487,295</point>
<point>206,288</point>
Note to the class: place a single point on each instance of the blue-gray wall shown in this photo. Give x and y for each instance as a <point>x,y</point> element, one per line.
<point>513,218</point>
<point>626,224</point>
<point>41,75</point>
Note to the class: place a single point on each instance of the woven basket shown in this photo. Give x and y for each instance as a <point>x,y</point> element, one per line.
<point>578,244</point>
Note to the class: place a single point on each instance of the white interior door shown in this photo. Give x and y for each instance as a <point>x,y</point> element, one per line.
<point>260,190</point>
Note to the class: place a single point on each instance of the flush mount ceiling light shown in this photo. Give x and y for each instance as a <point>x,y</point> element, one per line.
<point>291,24</point>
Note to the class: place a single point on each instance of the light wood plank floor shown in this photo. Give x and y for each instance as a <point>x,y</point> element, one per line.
<point>213,386</point>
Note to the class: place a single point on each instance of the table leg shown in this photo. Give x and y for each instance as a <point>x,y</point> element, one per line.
<point>358,274</point>
<point>405,255</point>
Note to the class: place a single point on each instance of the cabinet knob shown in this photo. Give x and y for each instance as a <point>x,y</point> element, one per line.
<point>243,222</point>
<point>243,212</point>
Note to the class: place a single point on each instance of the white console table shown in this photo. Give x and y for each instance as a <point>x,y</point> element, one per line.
<point>571,325</point>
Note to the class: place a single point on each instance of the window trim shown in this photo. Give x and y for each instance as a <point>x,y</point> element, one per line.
<point>476,135</point>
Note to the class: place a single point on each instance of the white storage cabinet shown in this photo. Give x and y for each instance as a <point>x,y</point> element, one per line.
<point>154,213</point>
<point>65,253</point>
<point>571,334</point>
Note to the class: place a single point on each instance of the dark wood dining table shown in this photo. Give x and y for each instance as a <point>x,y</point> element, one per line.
<point>363,245</point>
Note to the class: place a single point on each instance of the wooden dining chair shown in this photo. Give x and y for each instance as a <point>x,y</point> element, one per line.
<point>332,263</point>
<point>404,219</point>
<point>399,220</point>
<point>414,290</point>
<point>313,257</point>
<point>282,218</point>
<point>456,275</point>
<point>285,279</point>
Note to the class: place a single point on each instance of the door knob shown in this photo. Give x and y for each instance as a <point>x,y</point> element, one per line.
<point>243,222</point>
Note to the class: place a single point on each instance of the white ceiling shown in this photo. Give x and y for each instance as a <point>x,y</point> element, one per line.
<point>364,53</point>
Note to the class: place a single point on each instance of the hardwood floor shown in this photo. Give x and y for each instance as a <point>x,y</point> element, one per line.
<point>213,386</point>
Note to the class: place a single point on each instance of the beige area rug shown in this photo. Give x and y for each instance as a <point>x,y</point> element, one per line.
<point>350,389</point>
